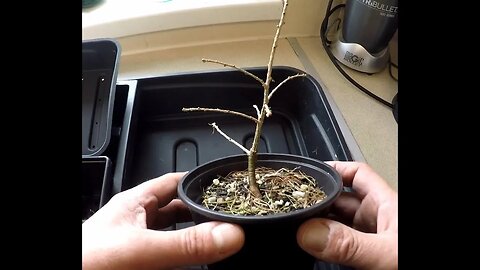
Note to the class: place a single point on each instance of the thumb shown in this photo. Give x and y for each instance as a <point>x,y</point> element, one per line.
<point>200,244</point>
<point>334,242</point>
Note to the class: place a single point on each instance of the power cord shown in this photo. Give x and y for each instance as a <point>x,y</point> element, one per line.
<point>390,69</point>
<point>326,43</point>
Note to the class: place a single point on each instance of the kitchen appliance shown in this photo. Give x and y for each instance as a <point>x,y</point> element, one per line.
<point>368,26</point>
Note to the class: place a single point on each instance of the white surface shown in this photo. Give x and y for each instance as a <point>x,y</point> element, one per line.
<point>119,18</point>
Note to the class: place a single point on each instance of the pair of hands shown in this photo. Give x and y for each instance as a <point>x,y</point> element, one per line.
<point>126,233</point>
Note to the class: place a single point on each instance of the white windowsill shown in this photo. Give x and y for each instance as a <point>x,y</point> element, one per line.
<point>120,18</point>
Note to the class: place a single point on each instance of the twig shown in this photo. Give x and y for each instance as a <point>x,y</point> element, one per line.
<point>214,125</point>
<point>235,67</point>
<point>220,110</point>
<point>258,111</point>
<point>268,112</point>
<point>284,81</point>
<point>274,46</point>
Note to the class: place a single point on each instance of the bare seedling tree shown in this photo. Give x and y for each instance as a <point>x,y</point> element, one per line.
<point>261,113</point>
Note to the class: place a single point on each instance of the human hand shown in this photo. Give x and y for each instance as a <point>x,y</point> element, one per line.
<point>370,241</point>
<point>124,234</point>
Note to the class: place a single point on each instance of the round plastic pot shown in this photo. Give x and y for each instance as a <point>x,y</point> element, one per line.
<point>270,241</point>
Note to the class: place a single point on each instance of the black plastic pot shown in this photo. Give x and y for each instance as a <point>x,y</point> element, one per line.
<point>270,241</point>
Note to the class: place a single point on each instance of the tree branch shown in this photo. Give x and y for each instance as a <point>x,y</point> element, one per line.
<point>235,67</point>
<point>220,110</point>
<point>214,125</point>
<point>284,81</point>
<point>274,46</point>
<point>258,111</point>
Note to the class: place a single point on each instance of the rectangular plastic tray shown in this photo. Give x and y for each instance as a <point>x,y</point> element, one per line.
<point>164,139</point>
<point>97,171</point>
<point>99,76</point>
<point>157,137</point>
<point>96,184</point>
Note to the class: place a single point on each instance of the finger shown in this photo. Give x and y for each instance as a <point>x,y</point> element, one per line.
<point>163,188</point>
<point>366,217</point>
<point>149,196</point>
<point>333,242</point>
<point>201,244</point>
<point>361,177</point>
<point>174,212</point>
<point>346,206</point>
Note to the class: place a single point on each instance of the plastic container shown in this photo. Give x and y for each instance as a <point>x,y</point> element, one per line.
<point>160,138</point>
<point>100,59</point>
<point>163,139</point>
<point>96,184</point>
<point>102,119</point>
<point>98,171</point>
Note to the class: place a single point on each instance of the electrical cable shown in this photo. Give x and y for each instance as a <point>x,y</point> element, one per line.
<point>325,42</point>
<point>327,16</point>
<point>333,24</point>
<point>391,64</point>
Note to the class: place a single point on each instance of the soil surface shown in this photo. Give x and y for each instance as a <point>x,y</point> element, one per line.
<point>282,191</point>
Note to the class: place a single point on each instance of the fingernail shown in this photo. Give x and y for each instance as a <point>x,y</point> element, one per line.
<point>315,236</point>
<point>222,236</point>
